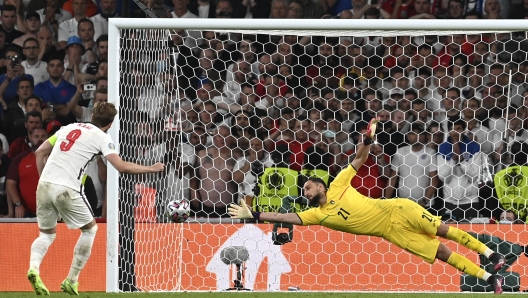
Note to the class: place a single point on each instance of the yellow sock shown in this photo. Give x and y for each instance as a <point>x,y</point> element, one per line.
<point>468,241</point>
<point>463,264</point>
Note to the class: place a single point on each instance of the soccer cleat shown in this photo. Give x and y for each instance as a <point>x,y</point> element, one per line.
<point>498,261</point>
<point>496,282</point>
<point>371,128</point>
<point>68,287</point>
<point>36,283</point>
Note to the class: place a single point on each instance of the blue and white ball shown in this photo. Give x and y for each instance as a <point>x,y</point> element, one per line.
<point>178,211</point>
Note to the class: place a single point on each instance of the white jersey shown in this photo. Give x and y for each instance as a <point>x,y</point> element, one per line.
<point>74,147</point>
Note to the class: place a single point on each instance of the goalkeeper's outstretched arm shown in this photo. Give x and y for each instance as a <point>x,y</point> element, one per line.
<point>243,212</point>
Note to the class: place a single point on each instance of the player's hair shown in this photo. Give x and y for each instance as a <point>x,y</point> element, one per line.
<point>318,181</point>
<point>103,114</point>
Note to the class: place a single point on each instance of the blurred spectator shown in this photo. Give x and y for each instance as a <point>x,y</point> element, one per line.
<point>32,24</point>
<point>455,10</point>
<point>508,217</point>
<point>68,28</point>
<point>47,48</point>
<point>415,166</point>
<point>14,73</point>
<point>250,167</point>
<point>6,204</point>
<point>33,103</point>
<point>519,10</point>
<point>502,141</point>
<point>22,177</point>
<point>84,114</point>
<point>476,131</point>
<point>17,109</point>
<point>107,9</point>
<point>279,9</point>
<point>511,185</point>
<point>101,54</point>
<point>55,90</point>
<point>420,114</point>
<point>33,65</point>
<point>422,10</point>
<point>86,31</point>
<point>52,15</point>
<point>399,9</point>
<point>21,144</point>
<point>492,9</point>
<point>9,20</point>
<point>212,185</point>
<point>459,164</point>
<point>73,62</point>
<point>435,136</point>
<point>301,128</point>
<point>69,5</point>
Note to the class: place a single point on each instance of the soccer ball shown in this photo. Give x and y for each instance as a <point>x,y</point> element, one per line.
<point>178,210</point>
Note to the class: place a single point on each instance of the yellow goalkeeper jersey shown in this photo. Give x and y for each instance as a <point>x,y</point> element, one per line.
<point>349,211</point>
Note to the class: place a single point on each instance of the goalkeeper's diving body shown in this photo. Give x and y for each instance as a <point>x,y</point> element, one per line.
<point>400,221</point>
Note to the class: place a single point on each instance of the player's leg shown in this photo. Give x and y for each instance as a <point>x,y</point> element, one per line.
<point>464,238</point>
<point>463,264</point>
<point>81,254</point>
<point>47,221</point>
<point>77,215</point>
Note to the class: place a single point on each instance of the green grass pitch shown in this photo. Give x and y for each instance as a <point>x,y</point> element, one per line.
<point>262,295</point>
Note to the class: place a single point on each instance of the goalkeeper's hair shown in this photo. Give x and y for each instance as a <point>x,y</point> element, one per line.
<point>103,114</point>
<point>318,181</point>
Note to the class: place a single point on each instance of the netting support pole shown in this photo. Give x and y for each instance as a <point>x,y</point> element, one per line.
<point>112,216</point>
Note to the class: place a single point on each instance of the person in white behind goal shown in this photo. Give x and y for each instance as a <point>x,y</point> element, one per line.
<point>61,162</point>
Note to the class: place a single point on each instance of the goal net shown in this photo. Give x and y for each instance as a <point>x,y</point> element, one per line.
<point>250,110</point>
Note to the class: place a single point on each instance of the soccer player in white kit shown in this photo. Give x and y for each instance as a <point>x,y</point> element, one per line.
<point>60,189</point>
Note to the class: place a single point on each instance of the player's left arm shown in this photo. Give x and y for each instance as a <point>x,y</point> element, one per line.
<point>361,155</point>
<point>243,212</point>
<point>43,152</point>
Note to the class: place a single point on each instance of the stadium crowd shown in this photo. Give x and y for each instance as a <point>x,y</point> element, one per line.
<point>249,117</point>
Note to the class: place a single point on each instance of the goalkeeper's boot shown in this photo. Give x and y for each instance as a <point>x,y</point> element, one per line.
<point>372,126</point>
<point>496,281</point>
<point>498,261</point>
<point>71,288</point>
<point>37,284</point>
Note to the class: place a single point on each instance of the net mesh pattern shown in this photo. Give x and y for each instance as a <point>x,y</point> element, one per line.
<point>238,116</point>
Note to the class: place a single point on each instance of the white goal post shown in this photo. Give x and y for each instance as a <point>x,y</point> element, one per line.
<point>252,26</point>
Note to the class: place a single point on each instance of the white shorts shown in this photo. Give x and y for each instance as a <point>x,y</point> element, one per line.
<point>54,201</point>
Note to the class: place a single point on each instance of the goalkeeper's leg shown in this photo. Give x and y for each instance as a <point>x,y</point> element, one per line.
<point>82,251</point>
<point>465,265</point>
<point>470,242</point>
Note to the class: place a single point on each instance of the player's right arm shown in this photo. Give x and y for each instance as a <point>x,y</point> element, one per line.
<point>132,168</point>
<point>43,152</point>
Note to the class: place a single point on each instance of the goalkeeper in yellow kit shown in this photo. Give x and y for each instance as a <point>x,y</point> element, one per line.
<point>400,221</point>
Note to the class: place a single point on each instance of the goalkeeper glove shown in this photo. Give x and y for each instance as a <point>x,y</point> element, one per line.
<point>371,130</point>
<point>242,211</point>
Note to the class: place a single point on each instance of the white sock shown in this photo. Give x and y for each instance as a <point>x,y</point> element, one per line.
<point>82,252</point>
<point>486,276</point>
<point>488,252</point>
<point>39,248</point>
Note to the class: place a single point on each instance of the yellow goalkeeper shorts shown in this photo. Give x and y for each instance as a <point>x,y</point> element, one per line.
<point>414,229</point>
